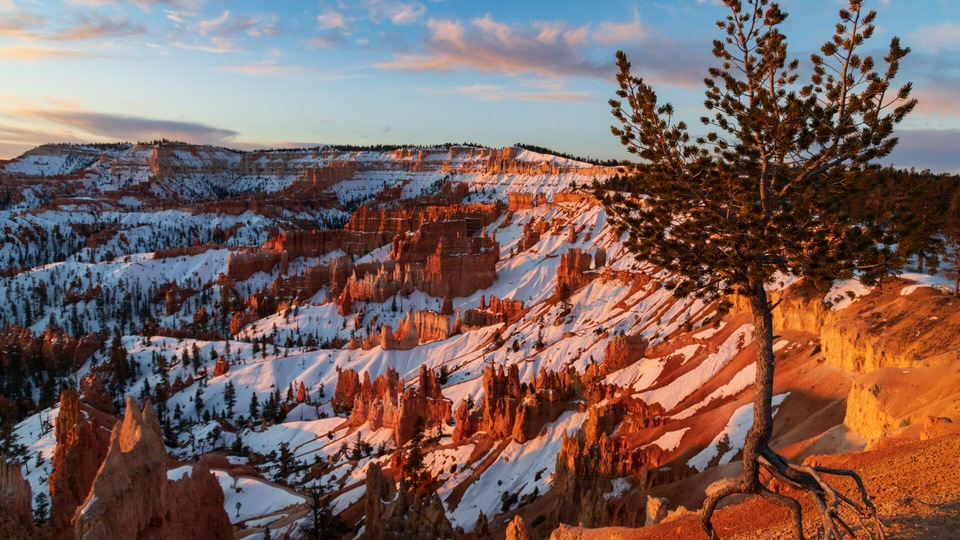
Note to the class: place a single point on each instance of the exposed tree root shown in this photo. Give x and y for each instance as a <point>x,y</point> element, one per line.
<point>804,478</point>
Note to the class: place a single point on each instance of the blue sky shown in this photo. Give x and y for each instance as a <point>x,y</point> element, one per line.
<point>290,72</point>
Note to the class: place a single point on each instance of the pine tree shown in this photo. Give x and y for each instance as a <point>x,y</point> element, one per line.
<point>254,406</point>
<point>230,397</point>
<point>761,194</point>
<point>414,468</point>
<point>322,523</point>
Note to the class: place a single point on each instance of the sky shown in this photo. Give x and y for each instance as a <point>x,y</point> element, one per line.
<point>286,73</point>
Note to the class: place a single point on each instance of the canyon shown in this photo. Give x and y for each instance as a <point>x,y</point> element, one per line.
<point>447,342</point>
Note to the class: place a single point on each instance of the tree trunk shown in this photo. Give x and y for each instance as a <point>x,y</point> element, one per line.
<point>956,281</point>
<point>759,435</point>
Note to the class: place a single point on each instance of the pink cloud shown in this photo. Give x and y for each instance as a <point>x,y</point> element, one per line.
<point>549,49</point>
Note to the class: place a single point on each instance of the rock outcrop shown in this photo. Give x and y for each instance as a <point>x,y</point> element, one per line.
<point>512,409</point>
<point>348,387</point>
<point>516,530</point>
<point>401,514</point>
<point>16,512</point>
<point>221,367</point>
<point>574,273</point>
<point>594,455</point>
<point>131,496</point>
<point>195,508</point>
<point>129,492</point>
<point>889,329</point>
<point>94,393</point>
<point>385,403</point>
<point>622,351</point>
<point>81,448</point>
<point>887,401</point>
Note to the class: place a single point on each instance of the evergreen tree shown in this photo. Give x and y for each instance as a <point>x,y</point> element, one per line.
<point>322,523</point>
<point>254,406</point>
<point>761,194</point>
<point>414,469</point>
<point>230,397</point>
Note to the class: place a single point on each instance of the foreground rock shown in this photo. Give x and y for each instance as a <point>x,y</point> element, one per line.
<point>401,514</point>
<point>132,498</point>
<point>81,448</point>
<point>16,513</point>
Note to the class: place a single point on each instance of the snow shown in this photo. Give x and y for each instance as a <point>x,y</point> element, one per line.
<point>677,390</point>
<point>733,436</point>
<point>670,441</point>
<point>620,486</point>
<point>511,473</point>
<point>908,290</point>
<point>255,497</point>
<point>845,292</point>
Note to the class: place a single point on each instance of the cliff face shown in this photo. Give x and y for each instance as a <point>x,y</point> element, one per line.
<point>16,512</point>
<point>889,401</point>
<point>385,403</point>
<point>512,409</point>
<point>889,329</point>
<point>81,448</point>
<point>433,249</point>
<point>622,351</point>
<point>195,508</point>
<point>407,516</point>
<point>131,496</point>
<point>51,346</point>
<point>589,459</point>
<point>129,492</point>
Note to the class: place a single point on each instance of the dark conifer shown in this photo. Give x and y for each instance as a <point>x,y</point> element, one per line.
<point>762,193</point>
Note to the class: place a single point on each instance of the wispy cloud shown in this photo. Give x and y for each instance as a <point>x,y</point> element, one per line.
<point>42,53</point>
<point>943,36</point>
<point>21,24</point>
<point>270,68</point>
<point>485,92</point>
<point>99,26</point>
<point>396,11</point>
<point>145,4</point>
<point>493,47</point>
<point>123,127</point>
<point>332,18</point>
<point>549,49</point>
<point>326,40</point>
<point>224,33</point>
<point>31,27</point>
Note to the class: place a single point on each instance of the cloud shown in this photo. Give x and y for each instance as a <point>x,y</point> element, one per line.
<point>131,128</point>
<point>99,26</point>
<point>612,33</point>
<point>493,47</point>
<point>231,25</point>
<point>143,4</point>
<point>326,40</point>
<point>399,13</point>
<point>27,26</point>
<point>550,49</point>
<point>21,24</point>
<point>15,140</point>
<point>331,19</point>
<point>945,35</point>
<point>485,92</point>
<point>41,53</point>
<point>221,34</point>
<point>269,68</point>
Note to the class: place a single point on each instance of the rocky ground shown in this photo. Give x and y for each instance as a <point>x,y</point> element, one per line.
<point>915,485</point>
